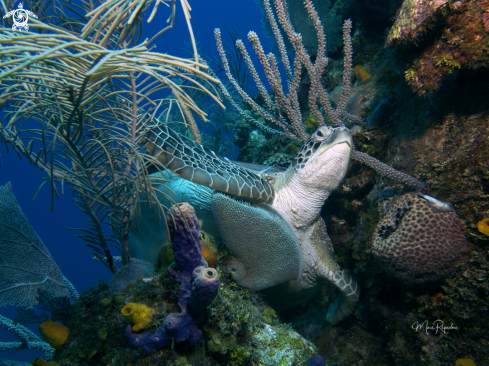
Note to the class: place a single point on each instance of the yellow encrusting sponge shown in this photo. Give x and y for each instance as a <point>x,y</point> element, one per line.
<point>483,226</point>
<point>138,314</point>
<point>54,333</point>
<point>464,362</point>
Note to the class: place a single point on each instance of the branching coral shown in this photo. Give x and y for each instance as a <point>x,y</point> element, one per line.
<point>284,111</point>
<point>27,339</point>
<point>92,92</point>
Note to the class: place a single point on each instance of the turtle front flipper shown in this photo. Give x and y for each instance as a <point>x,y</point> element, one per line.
<point>347,302</point>
<point>200,165</point>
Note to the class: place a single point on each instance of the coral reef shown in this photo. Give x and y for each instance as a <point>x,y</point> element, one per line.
<point>465,32</point>
<point>286,347</point>
<point>239,330</point>
<point>40,362</point>
<point>451,157</point>
<point>418,244</point>
<point>413,19</point>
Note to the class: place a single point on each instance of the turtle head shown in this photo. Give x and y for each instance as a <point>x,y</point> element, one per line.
<point>323,160</point>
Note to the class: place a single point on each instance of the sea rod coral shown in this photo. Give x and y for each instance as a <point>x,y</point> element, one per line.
<point>27,339</point>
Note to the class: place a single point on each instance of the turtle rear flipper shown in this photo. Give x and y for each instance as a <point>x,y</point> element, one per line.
<point>347,302</point>
<point>266,252</point>
<point>326,267</point>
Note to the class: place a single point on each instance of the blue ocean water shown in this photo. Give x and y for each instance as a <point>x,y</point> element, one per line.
<point>69,252</point>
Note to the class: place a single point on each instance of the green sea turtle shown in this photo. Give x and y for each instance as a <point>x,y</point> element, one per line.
<point>274,230</point>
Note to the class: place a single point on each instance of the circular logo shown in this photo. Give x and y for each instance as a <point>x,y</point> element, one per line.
<point>20,18</point>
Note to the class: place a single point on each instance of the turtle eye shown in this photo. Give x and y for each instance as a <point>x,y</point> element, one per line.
<point>323,133</point>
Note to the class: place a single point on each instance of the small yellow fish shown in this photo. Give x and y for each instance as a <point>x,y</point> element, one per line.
<point>364,74</point>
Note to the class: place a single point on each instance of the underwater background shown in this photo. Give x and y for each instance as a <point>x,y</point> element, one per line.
<point>420,87</point>
<point>68,251</point>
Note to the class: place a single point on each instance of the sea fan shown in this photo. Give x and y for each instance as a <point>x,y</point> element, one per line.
<point>26,266</point>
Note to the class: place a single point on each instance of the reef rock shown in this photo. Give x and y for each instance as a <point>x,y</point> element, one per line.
<point>418,244</point>
<point>281,345</point>
<point>413,19</point>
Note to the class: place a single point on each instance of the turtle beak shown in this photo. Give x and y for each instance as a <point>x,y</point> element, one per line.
<point>342,148</point>
<point>342,140</point>
<point>342,133</point>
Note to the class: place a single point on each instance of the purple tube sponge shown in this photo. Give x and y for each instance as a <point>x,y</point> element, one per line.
<point>182,327</point>
<point>198,284</point>
<point>185,237</point>
<point>149,340</point>
<point>204,290</point>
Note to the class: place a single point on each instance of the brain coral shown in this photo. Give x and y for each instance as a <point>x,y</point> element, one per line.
<point>418,244</point>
